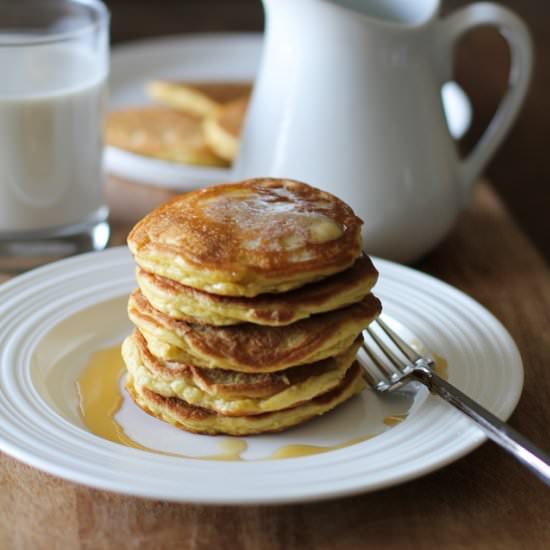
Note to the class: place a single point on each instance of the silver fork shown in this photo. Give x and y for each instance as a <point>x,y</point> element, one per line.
<point>394,363</point>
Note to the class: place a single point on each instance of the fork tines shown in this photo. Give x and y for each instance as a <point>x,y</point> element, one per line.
<point>390,358</point>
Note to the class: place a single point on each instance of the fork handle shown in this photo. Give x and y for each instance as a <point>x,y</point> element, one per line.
<point>501,433</point>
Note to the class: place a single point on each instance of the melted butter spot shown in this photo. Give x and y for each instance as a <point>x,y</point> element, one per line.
<point>301,256</point>
<point>292,242</point>
<point>273,214</point>
<point>324,230</point>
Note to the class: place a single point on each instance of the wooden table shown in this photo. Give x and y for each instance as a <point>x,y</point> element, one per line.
<point>485,500</point>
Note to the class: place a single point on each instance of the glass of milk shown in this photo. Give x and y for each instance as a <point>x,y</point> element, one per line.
<point>54,61</point>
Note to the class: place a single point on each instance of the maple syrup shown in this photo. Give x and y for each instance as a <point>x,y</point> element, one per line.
<point>293,451</point>
<point>100,399</point>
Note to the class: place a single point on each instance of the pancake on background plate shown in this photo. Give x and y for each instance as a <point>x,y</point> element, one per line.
<point>197,98</point>
<point>222,129</point>
<point>250,309</point>
<point>244,239</point>
<point>160,133</point>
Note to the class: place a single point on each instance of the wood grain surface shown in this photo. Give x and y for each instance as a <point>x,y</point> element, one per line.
<point>483,501</point>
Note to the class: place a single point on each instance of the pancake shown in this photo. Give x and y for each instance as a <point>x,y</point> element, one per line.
<point>222,129</point>
<point>248,238</point>
<point>248,347</point>
<point>192,305</point>
<point>196,419</point>
<point>197,98</point>
<point>229,392</point>
<point>160,133</point>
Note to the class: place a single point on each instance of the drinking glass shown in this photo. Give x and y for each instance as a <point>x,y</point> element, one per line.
<point>54,62</point>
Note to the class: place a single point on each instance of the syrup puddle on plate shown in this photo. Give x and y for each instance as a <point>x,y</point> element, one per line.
<point>100,399</point>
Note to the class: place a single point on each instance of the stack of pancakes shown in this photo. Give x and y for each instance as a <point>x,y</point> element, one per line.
<point>251,302</point>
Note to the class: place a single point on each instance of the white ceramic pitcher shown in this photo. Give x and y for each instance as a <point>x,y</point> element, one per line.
<point>348,98</point>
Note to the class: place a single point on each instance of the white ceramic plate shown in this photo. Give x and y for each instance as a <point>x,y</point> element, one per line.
<point>219,56</point>
<point>54,317</point>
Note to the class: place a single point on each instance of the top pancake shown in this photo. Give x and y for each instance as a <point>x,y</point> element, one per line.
<point>248,238</point>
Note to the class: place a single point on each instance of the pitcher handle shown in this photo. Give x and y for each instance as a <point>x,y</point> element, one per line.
<point>516,34</point>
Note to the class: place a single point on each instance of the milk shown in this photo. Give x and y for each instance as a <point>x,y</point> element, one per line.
<point>51,105</point>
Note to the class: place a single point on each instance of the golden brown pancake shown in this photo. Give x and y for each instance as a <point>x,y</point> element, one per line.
<point>193,305</point>
<point>248,238</point>
<point>197,98</point>
<point>233,393</point>
<point>222,129</point>
<point>248,347</point>
<point>161,133</point>
<point>199,420</point>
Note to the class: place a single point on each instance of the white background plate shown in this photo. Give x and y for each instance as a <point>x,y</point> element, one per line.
<point>55,316</point>
<point>220,56</point>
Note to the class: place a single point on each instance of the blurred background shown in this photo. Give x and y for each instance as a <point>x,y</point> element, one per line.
<point>520,171</point>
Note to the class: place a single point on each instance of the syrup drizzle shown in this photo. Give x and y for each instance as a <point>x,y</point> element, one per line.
<point>100,399</point>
